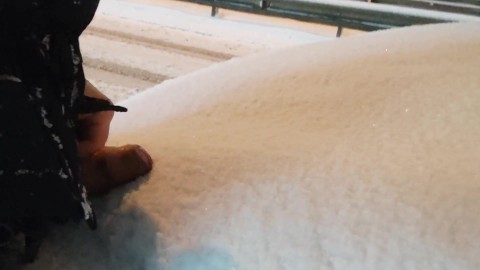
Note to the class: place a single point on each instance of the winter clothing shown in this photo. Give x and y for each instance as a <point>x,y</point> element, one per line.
<point>41,93</point>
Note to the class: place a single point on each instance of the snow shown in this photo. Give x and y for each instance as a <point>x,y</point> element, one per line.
<point>5,77</point>
<point>197,19</point>
<point>356,153</point>
<point>177,38</point>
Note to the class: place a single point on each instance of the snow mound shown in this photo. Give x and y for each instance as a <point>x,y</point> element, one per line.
<point>357,153</point>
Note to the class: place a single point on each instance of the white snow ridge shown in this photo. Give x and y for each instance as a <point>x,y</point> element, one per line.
<point>356,153</point>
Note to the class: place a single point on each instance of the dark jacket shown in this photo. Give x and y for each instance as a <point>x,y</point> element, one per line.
<point>41,93</point>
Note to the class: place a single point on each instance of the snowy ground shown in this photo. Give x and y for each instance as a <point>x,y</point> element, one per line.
<point>358,153</point>
<point>131,46</point>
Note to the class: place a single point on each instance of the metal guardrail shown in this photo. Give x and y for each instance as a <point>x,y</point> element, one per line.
<point>364,15</point>
<point>469,7</point>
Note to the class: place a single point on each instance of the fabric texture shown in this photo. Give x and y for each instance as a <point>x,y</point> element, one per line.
<point>41,92</point>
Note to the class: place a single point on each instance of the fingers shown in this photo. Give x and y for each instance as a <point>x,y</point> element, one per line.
<point>93,131</point>
<point>93,128</point>
<point>114,166</point>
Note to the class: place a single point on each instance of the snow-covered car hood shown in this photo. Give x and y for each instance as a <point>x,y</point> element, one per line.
<point>357,153</point>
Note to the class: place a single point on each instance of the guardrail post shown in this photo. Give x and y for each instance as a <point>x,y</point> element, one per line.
<point>264,4</point>
<point>214,11</point>
<point>339,31</point>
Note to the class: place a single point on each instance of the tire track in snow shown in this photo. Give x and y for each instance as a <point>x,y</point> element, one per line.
<point>123,70</point>
<point>158,44</point>
<point>119,79</point>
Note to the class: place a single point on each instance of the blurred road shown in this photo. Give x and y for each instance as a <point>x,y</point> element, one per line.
<point>133,45</point>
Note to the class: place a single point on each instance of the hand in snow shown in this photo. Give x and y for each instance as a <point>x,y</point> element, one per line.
<point>104,168</point>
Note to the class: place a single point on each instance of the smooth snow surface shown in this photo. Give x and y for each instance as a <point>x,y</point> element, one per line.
<point>357,153</point>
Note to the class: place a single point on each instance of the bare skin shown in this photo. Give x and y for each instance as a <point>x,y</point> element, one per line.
<point>104,168</point>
